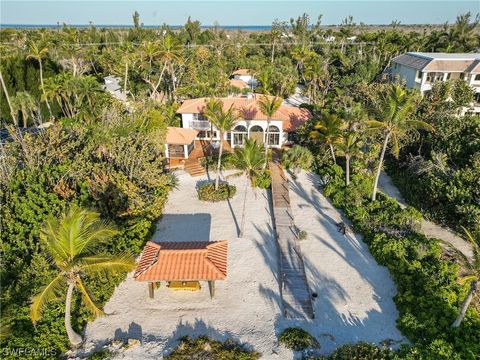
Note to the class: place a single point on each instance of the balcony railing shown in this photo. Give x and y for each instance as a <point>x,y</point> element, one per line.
<point>200,124</point>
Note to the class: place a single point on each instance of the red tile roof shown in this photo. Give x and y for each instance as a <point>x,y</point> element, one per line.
<point>182,261</point>
<point>238,83</point>
<point>249,109</point>
<point>180,136</point>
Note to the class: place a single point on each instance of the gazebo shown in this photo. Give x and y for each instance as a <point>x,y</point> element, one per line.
<point>179,142</point>
<point>182,264</point>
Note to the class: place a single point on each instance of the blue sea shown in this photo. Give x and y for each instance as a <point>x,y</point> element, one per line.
<point>50,26</point>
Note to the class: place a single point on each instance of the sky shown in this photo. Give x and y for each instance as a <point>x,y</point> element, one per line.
<point>230,12</point>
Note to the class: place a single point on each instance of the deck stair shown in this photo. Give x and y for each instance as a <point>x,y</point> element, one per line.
<point>295,292</point>
<point>193,167</point>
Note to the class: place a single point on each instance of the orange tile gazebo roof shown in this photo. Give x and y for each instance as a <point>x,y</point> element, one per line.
<point>182,261</point>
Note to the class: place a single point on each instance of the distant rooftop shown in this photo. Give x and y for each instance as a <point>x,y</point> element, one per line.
<point>446,62</point>
<point>446,56</point>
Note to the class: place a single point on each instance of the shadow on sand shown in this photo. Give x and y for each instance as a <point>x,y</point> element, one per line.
<point>183,227</point>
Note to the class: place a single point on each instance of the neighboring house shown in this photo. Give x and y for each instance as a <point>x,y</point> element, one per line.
<point>421,70</point>
<point>246,76</point>
<point>253,123</point>
<point>239,84</point>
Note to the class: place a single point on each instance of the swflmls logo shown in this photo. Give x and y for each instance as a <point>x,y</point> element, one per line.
<point>31,352</point>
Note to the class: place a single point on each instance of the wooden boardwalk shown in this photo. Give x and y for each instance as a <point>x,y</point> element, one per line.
<point>295,292</point>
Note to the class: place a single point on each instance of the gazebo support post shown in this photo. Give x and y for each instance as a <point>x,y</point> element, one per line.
<point>151,290</point>
<point>211,287</point>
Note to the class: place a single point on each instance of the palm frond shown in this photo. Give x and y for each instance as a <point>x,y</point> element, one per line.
<point>88,300</point>
<point>109,264</point>
<point>49,293</point>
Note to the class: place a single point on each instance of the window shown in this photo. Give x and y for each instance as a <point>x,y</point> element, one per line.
<point>477,77</point>
<point>462,76</point>
<point>419,75</point>
<point>239,135</point>
<point>434,77</point>
<point>273,135</point>
<point>207,134</point>
<point>448,76</point>
<point>199,116</point>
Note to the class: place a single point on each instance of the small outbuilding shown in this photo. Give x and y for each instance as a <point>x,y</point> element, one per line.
<point>182,264</point>
<point>180,142</point>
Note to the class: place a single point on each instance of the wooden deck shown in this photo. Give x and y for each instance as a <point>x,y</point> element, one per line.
<point>295,292</point>
<point>202,149</point>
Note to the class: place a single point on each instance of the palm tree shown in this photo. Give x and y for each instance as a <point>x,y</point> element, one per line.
<point>349,147</point>
<point>72,243</point>
<point>269,106</point>
<point>23,102</point>
<point>329,132</point>
<point>297,158</point>
<point>224,121</point>
<point>249,160</point>
<point>5,91</point>
<point>393,111</point>
<point>472,279</point>
<point>38,53</point>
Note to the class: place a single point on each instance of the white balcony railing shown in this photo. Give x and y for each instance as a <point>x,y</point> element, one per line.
<point>200,124</point>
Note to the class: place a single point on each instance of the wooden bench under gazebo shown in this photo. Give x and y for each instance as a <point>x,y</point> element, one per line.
<point>182,264</point>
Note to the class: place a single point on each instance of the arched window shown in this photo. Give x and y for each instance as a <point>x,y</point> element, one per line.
<point>273,135</point>
<point>239,135</point>
<point>256,133</point>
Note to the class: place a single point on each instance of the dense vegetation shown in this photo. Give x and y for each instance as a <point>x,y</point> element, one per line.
<point>96,152</point>
<point>440,173</point>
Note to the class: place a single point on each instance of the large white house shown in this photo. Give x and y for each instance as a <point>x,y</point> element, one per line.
<point>421,70</point>
<point>253,123</point>
<point>244,76</point>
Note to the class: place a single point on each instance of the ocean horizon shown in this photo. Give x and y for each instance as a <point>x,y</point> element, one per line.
<point>53,26</point>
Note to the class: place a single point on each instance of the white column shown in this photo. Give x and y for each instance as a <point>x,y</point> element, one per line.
<point>166,151</point>
<point>185,151</point>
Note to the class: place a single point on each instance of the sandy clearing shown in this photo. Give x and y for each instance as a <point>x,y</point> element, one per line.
<point>354,293</point>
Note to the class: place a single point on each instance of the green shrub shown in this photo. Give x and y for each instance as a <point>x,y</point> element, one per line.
<point>297,158</point>
<point>206,348</point>
<point>210,162</point>
<point>298,339</point>
<point>360,351</point>
<point>263,180</point>
<point>302,235</point>
<point>101,355</point>
<point>207,192</point>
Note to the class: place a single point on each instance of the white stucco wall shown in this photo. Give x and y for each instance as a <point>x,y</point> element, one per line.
<point>406,73</point>
<point>187,118</point>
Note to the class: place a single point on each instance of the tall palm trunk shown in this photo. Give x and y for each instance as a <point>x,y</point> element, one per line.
<point>379,170</point>
<point>266,144</point>
<point>465,304</point>
<point>273,51</point>
<point>8,99</point>
<point>347,169</point>
<point>154,91</point>
<point>332,152</point>
<point>126,78</point>
<point>75,339</point>
<point>219,162</point>
<point>43,88</point>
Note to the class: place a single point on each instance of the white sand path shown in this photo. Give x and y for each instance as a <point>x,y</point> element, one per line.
<point>354,293</point>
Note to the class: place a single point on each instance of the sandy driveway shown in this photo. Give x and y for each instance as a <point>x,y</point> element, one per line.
<point>354,294</point>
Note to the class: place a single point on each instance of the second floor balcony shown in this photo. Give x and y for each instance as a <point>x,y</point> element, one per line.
<point>200,124</point>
